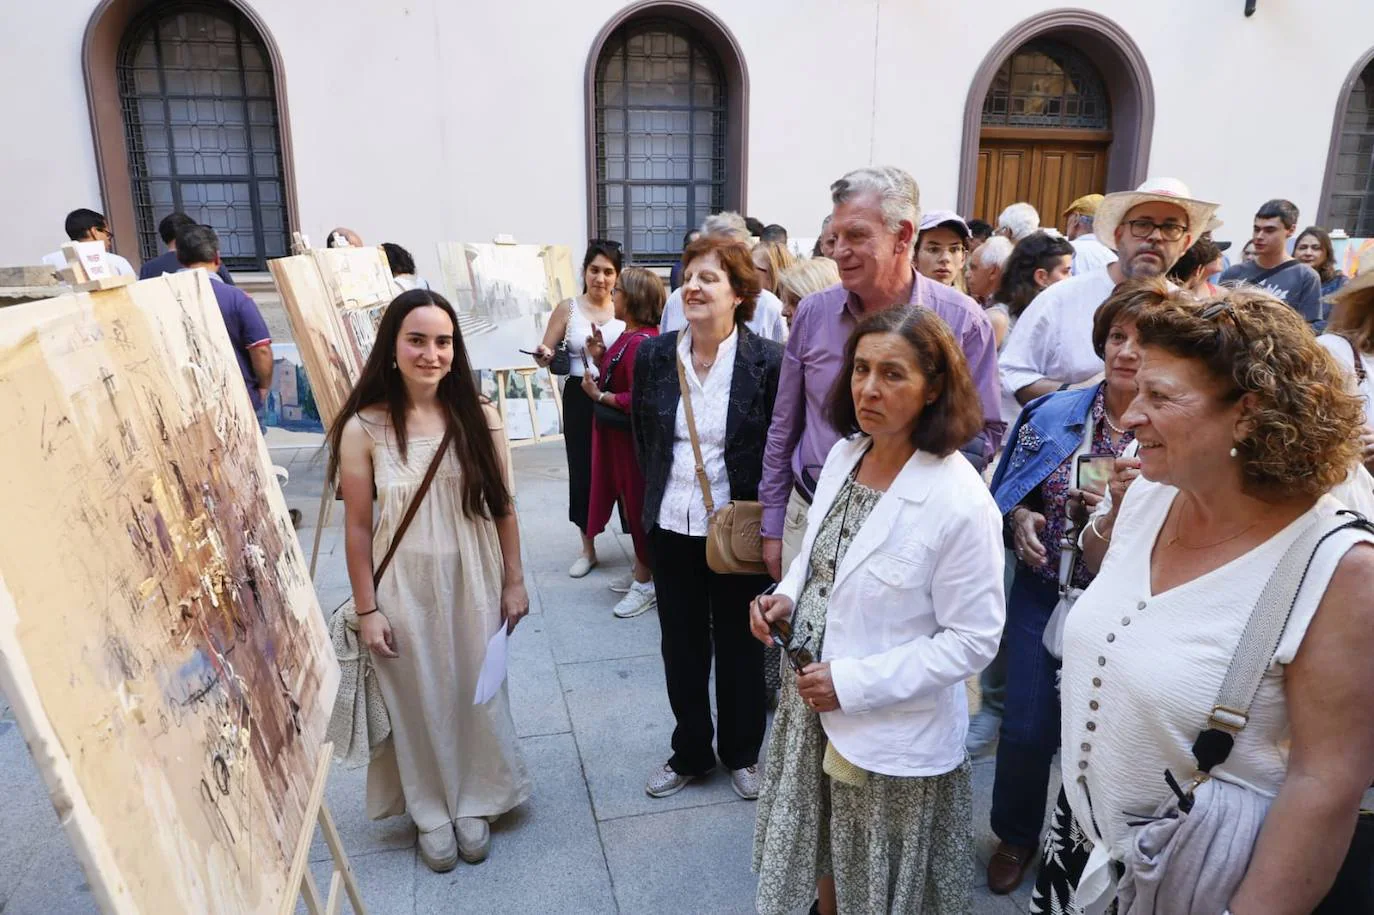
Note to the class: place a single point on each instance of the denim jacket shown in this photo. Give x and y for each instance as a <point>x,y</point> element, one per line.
<point>1049,430</point>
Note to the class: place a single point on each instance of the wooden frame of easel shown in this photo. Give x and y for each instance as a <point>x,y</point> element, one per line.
<point>342,880</point>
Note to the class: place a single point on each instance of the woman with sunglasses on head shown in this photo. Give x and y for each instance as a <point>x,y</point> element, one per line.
<point>893,602</point>
<point>1244,426</point>
<point>573,325</point>
<point>415,432</point>
<point>1037,488</point>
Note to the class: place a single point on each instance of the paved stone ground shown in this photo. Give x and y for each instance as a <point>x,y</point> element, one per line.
<point>593,719</point>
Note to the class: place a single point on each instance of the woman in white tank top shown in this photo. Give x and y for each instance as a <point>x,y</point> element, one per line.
<point>574,323</point>
<point>1243,429</point>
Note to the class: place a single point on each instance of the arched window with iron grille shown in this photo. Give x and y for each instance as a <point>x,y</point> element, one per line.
<point>1047,84</point>
<point>202,130</point>
<point>661,123</point>
<point>1350,174</point>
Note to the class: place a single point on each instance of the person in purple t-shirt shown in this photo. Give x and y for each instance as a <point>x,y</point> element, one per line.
<point>874,222</point>
<point>198,246</point>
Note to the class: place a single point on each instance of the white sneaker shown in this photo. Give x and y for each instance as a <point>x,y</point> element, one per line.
<point>746,782</point>
<point>637,600</point>
<point>581,567</point>
<point>621,585</point>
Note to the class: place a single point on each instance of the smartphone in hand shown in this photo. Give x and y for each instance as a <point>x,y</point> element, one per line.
<point>1093,472</point>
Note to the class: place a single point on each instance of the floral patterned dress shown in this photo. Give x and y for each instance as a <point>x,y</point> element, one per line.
<point>893,844</point>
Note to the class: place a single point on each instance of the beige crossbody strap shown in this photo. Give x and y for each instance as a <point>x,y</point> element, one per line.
<point>692,432</point>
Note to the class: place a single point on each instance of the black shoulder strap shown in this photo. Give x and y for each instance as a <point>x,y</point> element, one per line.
<point>1266,274</point>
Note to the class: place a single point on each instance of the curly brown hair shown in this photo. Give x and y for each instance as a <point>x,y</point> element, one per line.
<point>954,417</point>
<point>1305,422</point>
<point>735,260</point>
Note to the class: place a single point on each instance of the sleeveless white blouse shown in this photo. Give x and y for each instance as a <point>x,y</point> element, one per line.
<point>1142,671</point>
<point>580,328</point>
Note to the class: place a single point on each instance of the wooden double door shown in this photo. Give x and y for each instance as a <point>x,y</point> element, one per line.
<point>1048,168</point>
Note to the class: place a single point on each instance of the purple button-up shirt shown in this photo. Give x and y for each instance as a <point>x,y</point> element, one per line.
<point>800,437</point>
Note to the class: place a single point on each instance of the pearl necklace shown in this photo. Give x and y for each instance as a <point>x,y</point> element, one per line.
<point>1107,418</point>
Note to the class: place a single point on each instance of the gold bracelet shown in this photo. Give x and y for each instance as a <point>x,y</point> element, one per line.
<point>1092,526</point>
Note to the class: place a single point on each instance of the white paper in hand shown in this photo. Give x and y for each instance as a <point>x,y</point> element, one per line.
<point>493,672</point>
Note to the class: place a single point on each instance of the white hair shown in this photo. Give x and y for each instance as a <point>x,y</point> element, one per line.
<point>728,224</point>
<point>898,195</point>
<point>994,252</point>
<point>1020,219</point>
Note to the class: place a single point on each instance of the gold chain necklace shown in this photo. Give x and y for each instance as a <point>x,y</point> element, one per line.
<point>1178,532</point>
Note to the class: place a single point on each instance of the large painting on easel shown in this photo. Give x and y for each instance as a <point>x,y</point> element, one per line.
<point>160,641</point>
<point>503,295</point>
<point>334,299</point>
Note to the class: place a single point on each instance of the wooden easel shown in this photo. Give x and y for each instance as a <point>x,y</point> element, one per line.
<point>77,273</point>
<point>527,372</point>
<point>327,493</point>
<point>343,880</point>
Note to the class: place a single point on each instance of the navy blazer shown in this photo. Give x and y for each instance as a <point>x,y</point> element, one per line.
<point>653,414</point>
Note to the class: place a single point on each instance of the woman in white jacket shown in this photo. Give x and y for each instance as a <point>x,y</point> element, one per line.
<point>894,601</point>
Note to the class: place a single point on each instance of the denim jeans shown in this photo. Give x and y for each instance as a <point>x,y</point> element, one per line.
<point>1030,720</point>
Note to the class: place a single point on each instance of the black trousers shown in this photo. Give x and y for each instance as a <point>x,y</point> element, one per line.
<point>699,610</point>
<point>577,442</point>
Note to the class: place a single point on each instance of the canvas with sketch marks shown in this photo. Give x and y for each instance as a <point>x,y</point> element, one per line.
<point>160,640</point>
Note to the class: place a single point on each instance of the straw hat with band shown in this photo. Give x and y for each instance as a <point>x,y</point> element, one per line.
<point>1114,207</point>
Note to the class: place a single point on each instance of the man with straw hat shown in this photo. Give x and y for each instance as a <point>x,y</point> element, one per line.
<point>1149,228</point>
<point>1089,254</point>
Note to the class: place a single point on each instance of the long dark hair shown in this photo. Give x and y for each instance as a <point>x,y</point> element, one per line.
<point>1037,251</point>
<point>484,487</point>
<point>607,248</point>
<point>1327,270</point>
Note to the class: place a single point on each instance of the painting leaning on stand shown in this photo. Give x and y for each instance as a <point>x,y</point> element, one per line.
<point>428,618</point>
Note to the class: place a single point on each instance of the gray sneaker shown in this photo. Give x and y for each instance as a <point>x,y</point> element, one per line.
<point>746,782</point>
<point>665,781</point>
<point>621,585</point>
<point>439,849</point>
<point>636,601</point>
<point>982,732</point>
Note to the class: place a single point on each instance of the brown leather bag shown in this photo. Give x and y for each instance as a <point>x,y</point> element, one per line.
<point>733,543</point>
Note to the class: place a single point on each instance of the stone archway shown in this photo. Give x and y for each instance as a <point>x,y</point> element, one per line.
<point>726,50</point>
<point>1123,72</point>
<point>106,31</point>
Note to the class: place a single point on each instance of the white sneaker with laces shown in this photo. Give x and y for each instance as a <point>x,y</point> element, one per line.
<point>621,584</point>
<point>746,782</point>
<point>666,781</point>
<point>639,599</point>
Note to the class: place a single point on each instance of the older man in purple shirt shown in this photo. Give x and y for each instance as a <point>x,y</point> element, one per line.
<point>874,221</point>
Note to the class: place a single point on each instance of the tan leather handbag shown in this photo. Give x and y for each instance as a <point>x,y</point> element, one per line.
<point>733,542</point>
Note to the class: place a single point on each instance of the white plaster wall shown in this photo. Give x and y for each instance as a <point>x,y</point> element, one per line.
<point>426,120</point>
<point>47,158</point>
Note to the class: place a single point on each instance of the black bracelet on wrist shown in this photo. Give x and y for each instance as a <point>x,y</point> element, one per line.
<point>366,612</point>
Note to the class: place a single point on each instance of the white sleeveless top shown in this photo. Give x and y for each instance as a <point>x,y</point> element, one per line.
<point>580,328</point>
<point>1142,671</point>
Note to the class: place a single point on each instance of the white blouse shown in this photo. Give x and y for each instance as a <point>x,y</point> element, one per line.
<point>579,329</point>
<point>683,510</point>
<point>1142,672</point>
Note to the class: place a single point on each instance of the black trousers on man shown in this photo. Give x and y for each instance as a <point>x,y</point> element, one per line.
<point>699,610</point>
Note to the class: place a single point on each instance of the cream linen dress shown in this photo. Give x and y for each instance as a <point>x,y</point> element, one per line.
<point>442,595</point>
